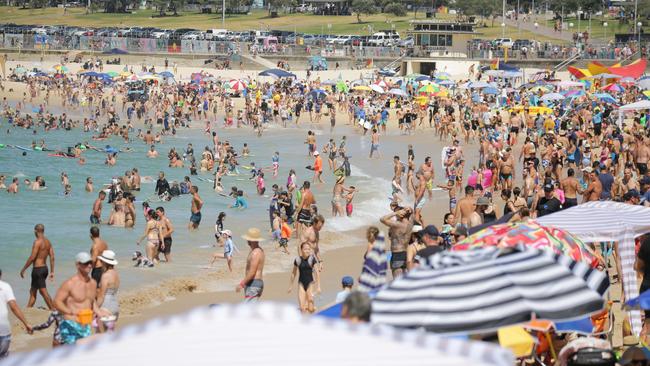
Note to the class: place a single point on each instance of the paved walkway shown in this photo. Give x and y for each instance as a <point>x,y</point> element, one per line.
<point>542,29</point>
<point>260,61</point>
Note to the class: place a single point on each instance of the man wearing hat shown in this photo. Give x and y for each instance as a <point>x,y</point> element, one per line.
<point>476,218</point>
<point>548,203</point>
<point>253,284</point>
<point>606,181</point>
<point>430,236</point>
<point>346,282</point>
<point>75,300</point>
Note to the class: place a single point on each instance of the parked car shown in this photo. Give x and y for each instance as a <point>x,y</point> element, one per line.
<point>519,43</point>
<point>407,42</point>
<point>503,42</point>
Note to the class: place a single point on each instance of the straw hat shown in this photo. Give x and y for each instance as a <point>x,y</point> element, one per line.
<point>253,234</point>
<point>108,257</point>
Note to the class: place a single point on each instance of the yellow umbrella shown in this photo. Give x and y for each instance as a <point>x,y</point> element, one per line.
<point>362,88</point>
<point>516,339</point>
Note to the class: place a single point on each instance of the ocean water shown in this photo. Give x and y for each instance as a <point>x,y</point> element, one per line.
<point>66,218</point>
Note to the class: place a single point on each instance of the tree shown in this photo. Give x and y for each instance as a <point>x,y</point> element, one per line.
<point>363,7</point>
<point>397,9</point>
<point>274,5</point>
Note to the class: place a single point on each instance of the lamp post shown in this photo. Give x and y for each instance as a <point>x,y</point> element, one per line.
<point>571,28</point>
<point>536,26</point>
<point>639,24</point>
<point>503,30</point>
<point>605,26</point>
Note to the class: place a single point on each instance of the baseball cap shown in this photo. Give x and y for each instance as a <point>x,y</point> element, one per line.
<point>347,281</point>
<point>548,187</point>
<point>316,153</point>
<point>82,257</point>
<point>634,193</point>
<point>431,230</point>
<point>588,170</point>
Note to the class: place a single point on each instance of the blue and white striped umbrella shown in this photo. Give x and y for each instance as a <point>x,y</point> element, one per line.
<point>486,289</point>
<point>375,266</point>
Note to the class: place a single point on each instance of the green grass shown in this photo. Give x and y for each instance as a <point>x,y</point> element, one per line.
<point>598,31</point>
<point>258,19</point>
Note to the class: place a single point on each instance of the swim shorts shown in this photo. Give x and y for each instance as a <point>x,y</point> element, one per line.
<point>196,218</point>
<point>71,331</point>
<point>167,247</point>
<point>253,290</point>
<point>39,275</point>
<point>398,260</point>
<point>304,216</point>
<point>94,220</point>
<point>5,341</point>
<point>348,209</point>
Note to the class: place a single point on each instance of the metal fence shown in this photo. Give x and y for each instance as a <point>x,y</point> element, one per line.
<point>116,44</point>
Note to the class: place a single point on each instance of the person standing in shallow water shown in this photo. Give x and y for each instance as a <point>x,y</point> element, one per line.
<point>253,282</point>
<point>41,250</point>
<point>197,203</point>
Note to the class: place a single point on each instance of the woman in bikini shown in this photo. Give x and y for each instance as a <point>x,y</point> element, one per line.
<point>305,266</point>
<point>154,236</point>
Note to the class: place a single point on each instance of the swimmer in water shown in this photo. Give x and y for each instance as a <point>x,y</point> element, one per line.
<point>152,153</point>
<point>89,184</point>
<point>245,151</point>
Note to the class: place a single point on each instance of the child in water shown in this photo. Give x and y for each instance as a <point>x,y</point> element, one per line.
<point>348,201</point>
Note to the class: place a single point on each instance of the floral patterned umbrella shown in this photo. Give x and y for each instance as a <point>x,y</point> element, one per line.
<point>530,233</point>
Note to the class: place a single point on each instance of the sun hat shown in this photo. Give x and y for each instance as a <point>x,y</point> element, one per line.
<point>483,201</point>
<point>108,257</point>
<point>253,234</point>
<point>83,257</point>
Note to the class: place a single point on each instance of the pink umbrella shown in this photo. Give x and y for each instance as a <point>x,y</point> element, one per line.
<point>613,87</point>
<point>236,85</point>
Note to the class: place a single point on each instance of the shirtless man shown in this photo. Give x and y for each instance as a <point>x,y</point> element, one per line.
<point>168,230</point>
<point>135,180</point>
<point>96,215</point>
<point>506,167</point>
<point>641,155</point>
<point>41,250</point>
<point>305,209</point>
<point>253,282</point>
<point>571,188</point>
<point>399,233</point>
<point>420,187</point>
<point>89,184</point>
<point>466,206</point>
<point>197,204</point>
<point>149,139</point>
<point>152,153</point>
<point>595,188</point>
<point>75,296</point>
<point>13,187</point>
<point>311,235</point>
<point>429,174</point>
<point>398,167</point>
<point>374,144</point>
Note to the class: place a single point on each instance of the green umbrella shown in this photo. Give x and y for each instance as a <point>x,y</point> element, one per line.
<point>340,85</point>
<point>112,74</point>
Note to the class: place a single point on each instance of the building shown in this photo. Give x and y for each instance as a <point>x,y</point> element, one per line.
<point>440,37</point>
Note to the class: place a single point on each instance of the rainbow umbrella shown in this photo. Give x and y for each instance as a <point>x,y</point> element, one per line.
<point>429,89</point>
<point>613,87</point>
<point>529,233</point>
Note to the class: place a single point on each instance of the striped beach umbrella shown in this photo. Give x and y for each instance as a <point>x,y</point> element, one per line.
<point>266,327</point>
<point>530,234</point>
<point>375,265</point>
<point>613,87</point>
<point>486,289</point>
<point>236,85</point>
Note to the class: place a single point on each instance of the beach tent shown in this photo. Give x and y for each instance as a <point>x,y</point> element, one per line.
<point>481,290</point>
<point>266,334</point>
<point>636,106</point>
<point>277,73</point>
<point>604,221</point>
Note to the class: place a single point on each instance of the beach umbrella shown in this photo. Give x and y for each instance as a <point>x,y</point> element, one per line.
<point>277,73</point>
<point>429,89</point>
<point>636,106</point>
<point>125,74</point>
<point>613,87</point>
<point>20,70</point>
<point>382,84</point>
<point>376,88</point>
<point>606,76</point>
<point>478,85</point>
<point>491,91</point>
<point>442,75</point>
<point>422,78</point>
<point>644,84</point>
<point>267,327</point>
<point>398,92</point>
<point>542,88</point>
<point>531,234</point>
<point>605,98</point>
<point>61,68</point>
<point>640,302</point>
<point>446,82</point>
<point>112,74</point>
<point>362,88</point>
<point>318,94</point>
<point>328,82</point>
<point>90,74</point>
<point>574,93</point>
<point>236,85</point>
<point>486,289</point>
<point>375,265</point>
<point>166,74</point>
<point>342,86</point>
<point>551,97</point>
<point>150,77</point>
<point>358,82</point>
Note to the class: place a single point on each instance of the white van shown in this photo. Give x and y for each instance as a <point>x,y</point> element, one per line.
<point>214,34</point>
<point>383,39</point>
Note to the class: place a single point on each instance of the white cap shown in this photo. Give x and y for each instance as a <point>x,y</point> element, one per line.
<point>83,257</point>
<point>316,153</point>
